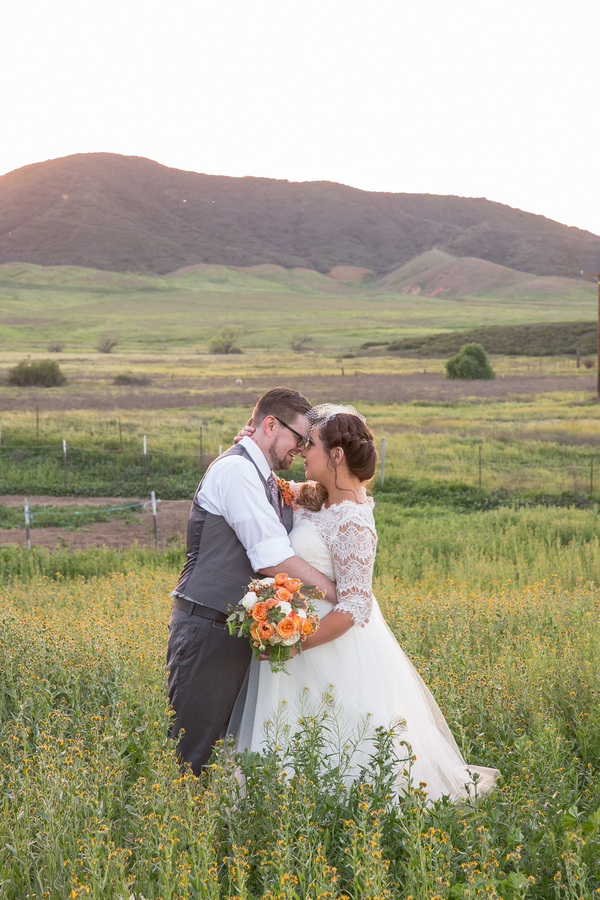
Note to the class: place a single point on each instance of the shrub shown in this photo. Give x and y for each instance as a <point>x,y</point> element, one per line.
<point>301,343</point>
<point>225,340</point>
<point>40,373</point>
<point>471,362</point>
<point>106,344</point>
<point>133,379</point>
<point>588,362</point>
<point>56,347</point>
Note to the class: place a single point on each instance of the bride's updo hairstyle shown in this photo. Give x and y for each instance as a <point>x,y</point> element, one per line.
<point>350,432</point>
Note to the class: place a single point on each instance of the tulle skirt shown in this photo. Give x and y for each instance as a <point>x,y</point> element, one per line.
<point>373,684</point>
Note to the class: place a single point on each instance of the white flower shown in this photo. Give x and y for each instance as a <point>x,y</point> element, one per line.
<point>292,639</point>
<point>248,600</point>
<point>285,607</point>
<point>275,639</point>
<point>267,581</point>
<point>301,613</point>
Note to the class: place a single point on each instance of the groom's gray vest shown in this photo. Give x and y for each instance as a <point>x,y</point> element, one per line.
<point>217,569</point>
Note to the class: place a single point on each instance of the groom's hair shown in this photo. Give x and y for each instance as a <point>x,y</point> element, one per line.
<point>280,402</point>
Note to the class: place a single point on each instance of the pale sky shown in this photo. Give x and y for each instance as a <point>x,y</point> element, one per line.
<point>479,98</point>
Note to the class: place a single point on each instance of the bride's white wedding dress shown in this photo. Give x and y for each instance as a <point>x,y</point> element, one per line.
<point>370,673</point>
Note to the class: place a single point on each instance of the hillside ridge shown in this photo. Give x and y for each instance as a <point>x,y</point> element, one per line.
<point>130,214</point>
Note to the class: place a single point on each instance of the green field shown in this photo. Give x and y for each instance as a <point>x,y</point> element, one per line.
<point>78,306</point>
<point>492,590</point>
<point>94,806</point>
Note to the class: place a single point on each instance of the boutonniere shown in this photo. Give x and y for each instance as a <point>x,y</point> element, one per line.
<point>286,490</point>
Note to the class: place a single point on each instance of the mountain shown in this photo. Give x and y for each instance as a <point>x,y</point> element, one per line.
<point>124,213</point>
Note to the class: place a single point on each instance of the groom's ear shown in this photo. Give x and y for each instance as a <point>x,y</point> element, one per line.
<point>267,425</point>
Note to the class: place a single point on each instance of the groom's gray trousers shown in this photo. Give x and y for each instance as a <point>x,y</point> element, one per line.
<point>206,665</point>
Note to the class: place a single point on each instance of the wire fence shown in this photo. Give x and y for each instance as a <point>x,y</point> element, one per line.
<point>68,470</point>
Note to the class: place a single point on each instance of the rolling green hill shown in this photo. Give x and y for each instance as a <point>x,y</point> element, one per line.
<point>271,304</point>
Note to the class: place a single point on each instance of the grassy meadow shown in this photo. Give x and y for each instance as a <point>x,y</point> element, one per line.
<point>492,589</point>
<point>78,306</point>
<point>95,807</point>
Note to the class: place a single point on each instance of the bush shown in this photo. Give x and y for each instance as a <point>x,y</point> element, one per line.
<point>471,362</point>
<point>301,343</point>
<point>589,363</point>
<point>225,340</point>
<point>55,347</point>
<point>40,373</point>
<point>133,379</point>
<point>107,344</point>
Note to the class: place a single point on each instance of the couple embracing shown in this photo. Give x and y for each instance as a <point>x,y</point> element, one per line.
<point>240,528</point>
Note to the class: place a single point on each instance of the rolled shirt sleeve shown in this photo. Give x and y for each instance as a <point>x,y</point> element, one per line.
<point>236,492</point>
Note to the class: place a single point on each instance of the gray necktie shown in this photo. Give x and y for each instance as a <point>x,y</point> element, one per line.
<point>273,487</point>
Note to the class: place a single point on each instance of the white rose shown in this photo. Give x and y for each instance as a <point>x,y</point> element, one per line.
<point>275,639</point>
<point>292,639</point>
<point>267,581</point>
<point>285,607</point>
<point>301,613</point>
<point>249,600</point>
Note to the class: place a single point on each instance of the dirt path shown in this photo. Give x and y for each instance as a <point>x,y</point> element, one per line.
<point>172,523</point>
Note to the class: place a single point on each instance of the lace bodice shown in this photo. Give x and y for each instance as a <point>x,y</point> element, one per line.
<point>348,532</point>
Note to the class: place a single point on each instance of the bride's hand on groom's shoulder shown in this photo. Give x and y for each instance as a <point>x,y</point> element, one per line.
<point>247,431</point>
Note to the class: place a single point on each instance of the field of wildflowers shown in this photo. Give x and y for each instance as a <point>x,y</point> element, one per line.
<point>493,593</point>
<point>93,804</point>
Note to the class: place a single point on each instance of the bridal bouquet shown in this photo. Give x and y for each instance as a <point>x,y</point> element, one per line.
<point>275,614</point>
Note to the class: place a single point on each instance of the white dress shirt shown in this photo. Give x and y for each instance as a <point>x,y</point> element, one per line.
<point>233,489</point>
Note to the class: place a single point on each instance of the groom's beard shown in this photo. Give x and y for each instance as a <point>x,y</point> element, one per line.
<point>278,462</point>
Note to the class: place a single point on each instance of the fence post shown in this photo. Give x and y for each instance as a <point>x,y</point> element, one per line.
<point>145,463</point>
<point>382,460</point>
<point>153,498</point>
<point>65,459</point>
<point>220,449</point>
<point>480,467</point>
<point>26,510</point>
<point>592,475</point>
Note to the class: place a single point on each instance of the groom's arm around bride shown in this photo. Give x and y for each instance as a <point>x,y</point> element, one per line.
<point>237,529</point>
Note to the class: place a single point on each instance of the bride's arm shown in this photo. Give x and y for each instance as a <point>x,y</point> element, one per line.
<point>353,556</point>
<point>333,625</point>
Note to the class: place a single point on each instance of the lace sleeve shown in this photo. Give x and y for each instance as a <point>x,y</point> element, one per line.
<point>353,556</point>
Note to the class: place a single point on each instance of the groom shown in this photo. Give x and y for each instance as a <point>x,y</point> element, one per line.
<point>237,530</point>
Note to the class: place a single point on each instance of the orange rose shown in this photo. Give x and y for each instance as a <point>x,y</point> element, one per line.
<point>271,602</point>
<point>265,630</point>
<point>292,585</point>
<point>280,579</point>
<point>259,611</point>
<point>286,627</point>
<point>306,627</point>
<point>282,594</point>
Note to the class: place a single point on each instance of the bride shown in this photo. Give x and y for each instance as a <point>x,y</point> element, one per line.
<point>372,679</point>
